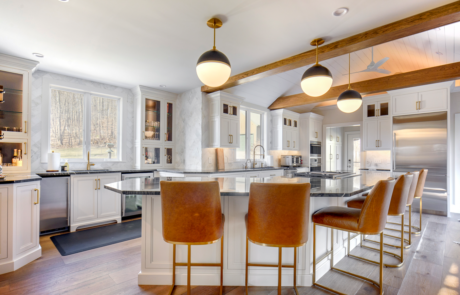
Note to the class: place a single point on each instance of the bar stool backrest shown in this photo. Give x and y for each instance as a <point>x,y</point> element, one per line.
<point>279,214</point>
<point>191,212</point>
<point>400,194</point>
<point>374,213</point>
<point>421,183</point>
<point>413,187</point>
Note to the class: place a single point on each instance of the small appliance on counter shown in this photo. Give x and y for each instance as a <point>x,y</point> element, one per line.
<point>291,161</point>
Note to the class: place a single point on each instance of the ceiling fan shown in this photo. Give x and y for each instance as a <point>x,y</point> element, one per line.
<point>374,66</point>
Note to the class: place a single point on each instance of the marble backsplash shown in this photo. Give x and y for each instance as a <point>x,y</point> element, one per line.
<point>376,159</point>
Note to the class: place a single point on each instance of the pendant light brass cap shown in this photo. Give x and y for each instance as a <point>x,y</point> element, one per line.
<point>214,23</point>
<point>317,41</point>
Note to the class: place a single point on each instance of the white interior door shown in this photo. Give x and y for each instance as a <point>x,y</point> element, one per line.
<point>353,151</point>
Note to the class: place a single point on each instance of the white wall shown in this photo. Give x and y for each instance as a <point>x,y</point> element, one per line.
<point>332,115</point>
<point>128,129</point>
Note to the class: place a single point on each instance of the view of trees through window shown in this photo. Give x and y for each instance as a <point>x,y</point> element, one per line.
<point>67,125</point>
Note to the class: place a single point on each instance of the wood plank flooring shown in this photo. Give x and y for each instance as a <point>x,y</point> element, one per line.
<point>432,267</point>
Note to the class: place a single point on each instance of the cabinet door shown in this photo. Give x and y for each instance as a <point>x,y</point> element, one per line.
<point>405,104</point>
<point>332,157</point>
<point>332,133</point>
<point>22,147</point>
<point>370,135</point>
<point>287,140</point>
<point>319,130</point>
<point>370,110</point>
<point>152,120</point>
<point>295,139</point>
<point>108,202</point>
<point>3,222</point>
<point>234,133</point>
<point>27,217</point>
<point>434,100</point>
<point>384,109</point>
<point>84,198</point>
<point>225,138</point>
<point>338,157</point>
<point>313,133</point>
<point>151,157</point>
<point>385,134</point>
<point>169,156</point>
<point>169,122</point>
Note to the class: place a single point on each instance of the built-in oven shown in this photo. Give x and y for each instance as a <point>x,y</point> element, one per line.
<point>132,204</point>
<point>315,149</point>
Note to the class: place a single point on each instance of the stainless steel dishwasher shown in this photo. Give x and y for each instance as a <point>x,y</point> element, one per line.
<point>54,204</point>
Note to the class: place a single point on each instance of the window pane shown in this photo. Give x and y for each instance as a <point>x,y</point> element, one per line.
<point>104,128</point>
<point>67,124</point>
<point>256,135</point>
<point>241,151</point>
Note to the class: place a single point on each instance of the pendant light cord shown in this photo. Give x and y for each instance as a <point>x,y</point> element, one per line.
<point>349,87</point>
<point>214,47</point>
<point>316,52</point>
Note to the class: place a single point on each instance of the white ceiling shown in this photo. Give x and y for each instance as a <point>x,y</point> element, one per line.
<point>148,42</point>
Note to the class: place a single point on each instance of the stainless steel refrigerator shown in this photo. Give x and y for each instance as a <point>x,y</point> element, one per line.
<point>420,141</point>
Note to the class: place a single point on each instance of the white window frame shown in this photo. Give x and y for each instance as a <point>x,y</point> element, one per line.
<point>263,123</point>
<point>88,92</point>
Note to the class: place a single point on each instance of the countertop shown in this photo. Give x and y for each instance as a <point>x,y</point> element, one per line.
<point>95,171</point>
<point>16,178</point>
<point>239,186</point>
<point>216,171</point>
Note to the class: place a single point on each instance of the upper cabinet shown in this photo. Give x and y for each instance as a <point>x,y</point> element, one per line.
<point>156,138</point>
<point>424,99</point>
<point>285,128</point>
<point>377,122</point>
<point>15,80</point>
<point>224,119</point>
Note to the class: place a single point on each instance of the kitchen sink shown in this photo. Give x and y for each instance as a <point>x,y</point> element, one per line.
<point>92,170</point>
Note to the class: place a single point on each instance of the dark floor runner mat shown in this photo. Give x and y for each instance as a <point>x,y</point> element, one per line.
<point>85,240</point>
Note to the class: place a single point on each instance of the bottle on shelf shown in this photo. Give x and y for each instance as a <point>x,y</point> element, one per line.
<point>67,165</point>
<point>19,158</point>
<point>14,161</point>
<point>1,157</point>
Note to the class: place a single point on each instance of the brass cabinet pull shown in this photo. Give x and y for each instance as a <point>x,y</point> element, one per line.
<point>25,129</point>
<point>331,137</point>
<point>143,150</point>
<point>316,134</point>
<point>337,139</point>
<point>272,174</point>
<point>95,180</point>
<point>25,149</point>
<point>38,196</point>
<point>289,143</point>
<point>231,136</point>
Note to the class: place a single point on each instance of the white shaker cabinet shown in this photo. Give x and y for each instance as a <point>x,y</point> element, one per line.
<point>422,99</point>
<point>91,203</point>
<point>285,130</point>
<point>316,130</point>
<point>377,123</point>
<point>19,224</point>
<point>224,119</point>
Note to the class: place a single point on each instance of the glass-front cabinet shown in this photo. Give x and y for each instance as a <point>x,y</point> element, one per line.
<point>229,109</point>
<point>157,156</point>
<point>377,109</point>
<point>14,155</point>
<point>158,125</point>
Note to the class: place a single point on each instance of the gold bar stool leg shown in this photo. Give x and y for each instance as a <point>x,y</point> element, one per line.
<point>279,269</point>
<point>221,264</point>
<point>314,254</point>
<point>332,248</point>
<point>402,239</point>
<point>410,224</point>
<point>381,263</point>
<point>295,271</point>
<point>246,278</point>
<point>174,270</point>
<point>189,264</point>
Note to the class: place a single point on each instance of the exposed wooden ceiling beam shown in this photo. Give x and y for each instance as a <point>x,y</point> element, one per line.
<point>425,21</point>
<point>432,75</point>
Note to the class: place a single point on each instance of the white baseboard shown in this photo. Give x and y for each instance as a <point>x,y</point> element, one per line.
<point>12,265</point>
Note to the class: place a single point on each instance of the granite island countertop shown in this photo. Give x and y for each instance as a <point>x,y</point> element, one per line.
<point>94,171</point>
<point>217,171</point>
<point>239,186</point>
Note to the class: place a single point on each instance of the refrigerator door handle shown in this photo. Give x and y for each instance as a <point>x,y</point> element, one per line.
<point>394,151</point>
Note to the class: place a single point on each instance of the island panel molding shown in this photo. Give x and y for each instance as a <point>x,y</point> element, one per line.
<point>421,22</point>
<point>421,77</point>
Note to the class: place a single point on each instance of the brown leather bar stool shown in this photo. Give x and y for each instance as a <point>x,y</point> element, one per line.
<point>370,220</point>
<point>192,215</point>
<point>419,194</point>
<point>278,216</point>
<point>397,208</point>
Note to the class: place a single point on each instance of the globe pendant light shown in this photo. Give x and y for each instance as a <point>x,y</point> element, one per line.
<point>350,100</point>
<point>213,67</point>
<point>317,80</point>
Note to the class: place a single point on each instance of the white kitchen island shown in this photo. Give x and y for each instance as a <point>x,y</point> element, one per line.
<point>156,268</point>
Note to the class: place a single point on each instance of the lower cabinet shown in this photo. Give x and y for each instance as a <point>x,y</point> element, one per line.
<point>91,203</point>
<point>3,222</point>
<point>19,225</point>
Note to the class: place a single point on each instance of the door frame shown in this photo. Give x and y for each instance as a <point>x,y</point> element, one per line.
<point>324,139</point>
<point>346,146</point>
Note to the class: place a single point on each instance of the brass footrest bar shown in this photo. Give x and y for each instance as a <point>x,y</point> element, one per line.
<point>197,264</point>
<point>328,289</point>
<point>357,276</point>
<point>413,232</point>
<point>324,257</point>
<point>388,245</point>
<point>386,252</point>
<point>269,265</point>
<point>399,238</point>
<point>393,229</point>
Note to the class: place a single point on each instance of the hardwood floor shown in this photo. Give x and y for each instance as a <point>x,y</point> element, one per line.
<point>432,267</point>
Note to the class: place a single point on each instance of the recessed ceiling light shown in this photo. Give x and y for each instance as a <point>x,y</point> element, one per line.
<point>64,0</point>
<point>341,11</point>
<point>38,54</point>
<point>163,86</point>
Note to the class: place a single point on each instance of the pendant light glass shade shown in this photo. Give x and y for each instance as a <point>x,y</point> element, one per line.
<point>213,67</point>
<point>350,100</point>
<point>317,80</point>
